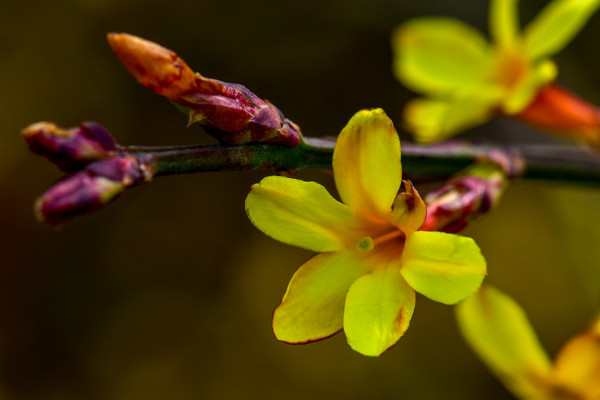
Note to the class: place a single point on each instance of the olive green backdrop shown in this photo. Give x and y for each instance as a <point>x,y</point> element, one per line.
<point>168,293</point>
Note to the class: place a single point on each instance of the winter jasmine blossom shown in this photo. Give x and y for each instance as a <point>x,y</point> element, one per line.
<point>468,80</point>
<point>372,257</point>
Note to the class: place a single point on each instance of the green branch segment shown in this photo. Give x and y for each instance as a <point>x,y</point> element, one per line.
<point>113,170</point>
<point>568,164</point>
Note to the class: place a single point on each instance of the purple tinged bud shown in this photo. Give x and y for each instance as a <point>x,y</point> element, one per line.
<point>70,149</point>
<point>235,115</point>
<point>464,198</point>
<point>75,195</point>
<point>90,189</point>
<point>265,125</point>
<point>126,169</point>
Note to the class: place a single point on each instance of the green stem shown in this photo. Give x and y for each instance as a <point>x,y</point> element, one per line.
<point>138,149</point>
<point>574,165</point>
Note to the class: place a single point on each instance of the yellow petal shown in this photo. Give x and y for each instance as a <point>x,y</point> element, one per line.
<point>527,89</point>
<point>409,210</point>
<point>504,22</point>
<point>378,310</point>
<point>438,55</point>
<point>497,330</point>
<point>434,120</point>
<point>366,163</point>
<point>301,214</point>
<point>556,25</point>
<point>445,267</point>
<point>313,305</point>
<point>577,366</point>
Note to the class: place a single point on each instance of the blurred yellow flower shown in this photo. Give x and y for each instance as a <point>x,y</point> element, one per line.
<point>372,258</point>
<point>498,331</point>
<point>467,79</point>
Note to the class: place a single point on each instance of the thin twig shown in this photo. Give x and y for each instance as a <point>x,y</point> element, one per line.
<point>568,164</point>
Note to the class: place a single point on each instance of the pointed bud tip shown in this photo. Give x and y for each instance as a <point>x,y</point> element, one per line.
<point>33,129</point>
<point>121,42</point>
<point>153,65</point>
<point>41,127</point>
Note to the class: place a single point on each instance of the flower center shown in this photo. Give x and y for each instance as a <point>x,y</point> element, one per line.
<point>511,67</point>
<point>366,243</point>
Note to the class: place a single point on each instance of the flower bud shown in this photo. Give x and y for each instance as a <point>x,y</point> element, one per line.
<point>559,111</point>
<point>152,65</point>
<point>70,149</point>
<point>90,189</point>
<point>229,111</point>
<point>464,198</point>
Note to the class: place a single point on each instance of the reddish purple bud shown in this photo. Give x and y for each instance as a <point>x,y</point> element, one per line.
<point>70,149</point>
<point>235,115</point>
<point>229,111</point>
<point>464,198</point>
<point>90,189</point>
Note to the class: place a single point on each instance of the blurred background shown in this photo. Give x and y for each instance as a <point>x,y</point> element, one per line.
<point>168,292</point>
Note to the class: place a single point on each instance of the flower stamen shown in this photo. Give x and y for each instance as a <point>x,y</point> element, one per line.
<point>389,236</point>
<point>366,243</point>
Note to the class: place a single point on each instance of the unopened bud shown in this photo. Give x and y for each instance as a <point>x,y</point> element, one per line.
<point>70,149</point>
<point>559,111</point>
<point>468,195</point>
<point>229,111</point>
<point>90,189</point>
<point>152,65</point>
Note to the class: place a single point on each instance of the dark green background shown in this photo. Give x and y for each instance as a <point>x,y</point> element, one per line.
<point>168,293</point>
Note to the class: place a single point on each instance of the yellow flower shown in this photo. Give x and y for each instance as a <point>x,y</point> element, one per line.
<point>498,331</point>
<point>372,258</point>
<point>466,79</point>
